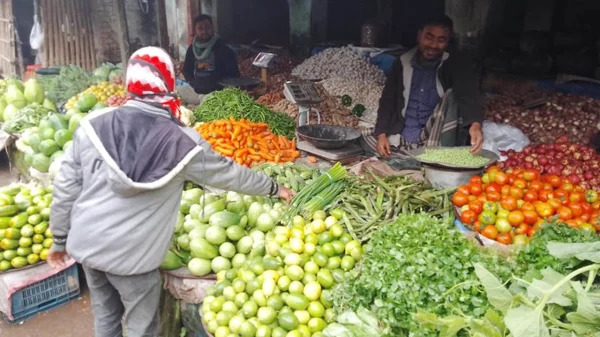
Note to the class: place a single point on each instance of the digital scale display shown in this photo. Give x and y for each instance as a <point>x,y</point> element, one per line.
<point>301,93</point>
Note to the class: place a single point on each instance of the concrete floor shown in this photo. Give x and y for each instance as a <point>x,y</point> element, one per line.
<point>74,319</point>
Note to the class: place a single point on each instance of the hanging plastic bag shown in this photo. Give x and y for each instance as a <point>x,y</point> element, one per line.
<point>503,137</point>
<point>36,38</point>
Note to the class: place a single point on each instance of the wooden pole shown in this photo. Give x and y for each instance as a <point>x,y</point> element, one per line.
<point>163,29</point>
<point>122,30</point>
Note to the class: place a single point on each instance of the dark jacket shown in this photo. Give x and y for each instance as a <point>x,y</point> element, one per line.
<point>452,74</point>
<point>225,67</point>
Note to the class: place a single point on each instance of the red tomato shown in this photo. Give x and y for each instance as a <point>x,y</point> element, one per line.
<point>554,180</point>
<point>564,213</point>
<point>464,189</point>
<point>545,195</point>
<point>530,196</point>
<point>476,206</point>
<point>544,210</point>
<point>596,205</point>
<point>517,192</point>
<point>587,208</point>
<point>516,218</point>
<point>505,190</point>
<point>509,203</point>
<point>561,195</point>
<point>493,187</point>
<point>468,217</point>
<point>490,232</point>
<point>476,189</point>
<point>577,197</point>
<point>567,187</point>
<point>460,199</point>
<point>555,203</point>
<point>531,175</point>
<point>520,183</point>
<point>523,229</point>
<point>493,196</point>
<point>527,206</point>
<point>501,178</point>
<point>536,185</point>
<point>475,180</point>
<point>504,238</point>
<point>530,217</point>
<point>576,209</point>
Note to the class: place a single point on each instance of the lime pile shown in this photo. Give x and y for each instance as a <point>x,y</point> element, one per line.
<point>25,237</point>
<point>222,234</point>
<point>45,144</point>
<point>286,293</point>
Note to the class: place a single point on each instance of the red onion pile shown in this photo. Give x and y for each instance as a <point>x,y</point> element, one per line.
<point>579,163</point>
<point>573,116</point>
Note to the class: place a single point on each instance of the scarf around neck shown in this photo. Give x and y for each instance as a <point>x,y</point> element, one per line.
<point>202,50</point>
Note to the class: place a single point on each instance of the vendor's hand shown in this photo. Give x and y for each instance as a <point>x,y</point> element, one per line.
<point>57,260</point>
<point>383,145</point>
<point>476,137</point>
<point>285,193</point>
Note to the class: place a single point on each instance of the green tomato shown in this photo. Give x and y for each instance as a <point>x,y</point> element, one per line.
<point>487,218</point>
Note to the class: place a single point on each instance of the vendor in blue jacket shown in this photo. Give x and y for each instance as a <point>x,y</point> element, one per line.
<point>431,98</point>
<point>117,195</point>
<point>208,59</point>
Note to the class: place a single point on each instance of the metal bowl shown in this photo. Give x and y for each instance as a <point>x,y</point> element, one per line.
<point>328,136</point>
<point>443,178</point>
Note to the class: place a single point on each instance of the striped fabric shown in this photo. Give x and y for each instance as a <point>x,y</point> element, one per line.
<point>440,130</point>
<point>151,79</point>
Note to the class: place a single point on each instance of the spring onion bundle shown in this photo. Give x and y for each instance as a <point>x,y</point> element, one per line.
<point>324,198</point>
<point>300,200</point>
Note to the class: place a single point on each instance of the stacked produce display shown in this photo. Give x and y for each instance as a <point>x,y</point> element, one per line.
<point>350,255</point>
<point>25,237</point>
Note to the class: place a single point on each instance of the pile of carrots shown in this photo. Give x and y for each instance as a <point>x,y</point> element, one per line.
<point>248,143</point>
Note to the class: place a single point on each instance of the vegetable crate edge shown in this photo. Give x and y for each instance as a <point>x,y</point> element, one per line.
<point>45,295</point>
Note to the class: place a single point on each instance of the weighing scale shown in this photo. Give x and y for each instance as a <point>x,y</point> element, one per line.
<point>305,94</point>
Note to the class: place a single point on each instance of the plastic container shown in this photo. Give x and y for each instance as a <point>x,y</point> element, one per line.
<point>30,71</point>
<point>45,295</point>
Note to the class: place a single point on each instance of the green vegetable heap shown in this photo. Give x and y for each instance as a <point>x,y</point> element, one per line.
<point>71,81</point>
<point>417,263</point>
<point>231,102</point>
<point>453,156</point>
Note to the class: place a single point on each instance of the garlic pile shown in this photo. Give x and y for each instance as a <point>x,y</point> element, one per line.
<point>341,62</point>
<point>365,93</point>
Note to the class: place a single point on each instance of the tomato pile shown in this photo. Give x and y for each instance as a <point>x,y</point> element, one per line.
<point>579,163</point>
<point>509,206</point>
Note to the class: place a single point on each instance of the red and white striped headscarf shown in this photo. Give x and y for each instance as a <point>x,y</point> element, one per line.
<point>151,79</point>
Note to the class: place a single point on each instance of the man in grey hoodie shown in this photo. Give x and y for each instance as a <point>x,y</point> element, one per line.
<point>117,195</point>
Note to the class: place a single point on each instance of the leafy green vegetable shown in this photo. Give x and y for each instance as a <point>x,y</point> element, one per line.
<point>233,102</point>
<point>359,324</point>
<point>419,263</point>
<point>71,81</point>
<point>535,255</point>
<point>25,118</point>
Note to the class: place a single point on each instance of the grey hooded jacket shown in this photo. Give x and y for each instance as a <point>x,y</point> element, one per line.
<point>117,195</point>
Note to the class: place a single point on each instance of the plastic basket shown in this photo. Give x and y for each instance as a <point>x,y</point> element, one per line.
<point>45,295</point>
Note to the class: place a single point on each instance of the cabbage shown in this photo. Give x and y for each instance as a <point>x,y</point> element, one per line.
<point>15,97</point>
<point>9,112</point>
<point>115,73</point>
<point>33,92</point>
<point>102,73</point>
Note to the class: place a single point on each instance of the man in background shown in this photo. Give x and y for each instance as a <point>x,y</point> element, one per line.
<point>208,59</point>
<point>430,99</point>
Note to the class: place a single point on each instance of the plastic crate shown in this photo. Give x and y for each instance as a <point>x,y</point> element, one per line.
<point>45,295</point>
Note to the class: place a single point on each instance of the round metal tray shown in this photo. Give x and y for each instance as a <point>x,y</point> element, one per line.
<point>491,156</point>
<point>327,136</point>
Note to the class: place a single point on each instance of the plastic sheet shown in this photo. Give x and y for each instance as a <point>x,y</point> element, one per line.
<point>36,38</point>
<point>503,137</point>
<point>186,287</point>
